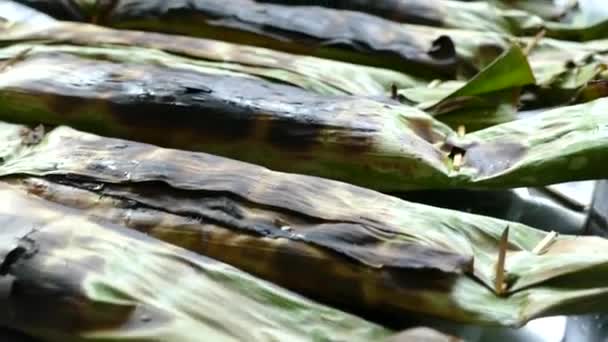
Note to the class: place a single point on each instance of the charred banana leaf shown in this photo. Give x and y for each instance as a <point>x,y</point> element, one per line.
<point>367,249</point>
<point>319,75</point>
<point>368,142</point>
<point>476,15</point>
<point>564,70</point>
<point>349,36</point>
<point>271,25</point>
<point>377,144</point>
<point>67,277</point>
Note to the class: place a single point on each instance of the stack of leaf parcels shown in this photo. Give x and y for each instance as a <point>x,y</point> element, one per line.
<point>212,170</point>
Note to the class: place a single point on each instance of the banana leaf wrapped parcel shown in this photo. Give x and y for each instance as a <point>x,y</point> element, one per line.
<point>369,250</point>
<point>553,72</point>
<point>65,276</point>
<point>225,172</point>
<point>248,18</point>
<point>322,76</point>
<point>318,75</point>
<point>507,17</point>
<point>342,35</point>
<point>371,142</point>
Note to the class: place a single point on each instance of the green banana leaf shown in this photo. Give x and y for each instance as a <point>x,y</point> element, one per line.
<point>510,70</point>
<point>367,249</point>
<point>581,32</point>
<point>489,98</point>
<point>67,277</point>
<point>374,143</point>
<point>561,73</point>
<point>319,75</point>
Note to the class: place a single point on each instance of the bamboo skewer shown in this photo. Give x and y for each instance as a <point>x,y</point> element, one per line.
<point>499,284</point>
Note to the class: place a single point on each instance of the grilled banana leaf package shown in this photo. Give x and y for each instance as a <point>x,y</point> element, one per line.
<point>350,36</point>
<point>549,72</point>
<point>322,76</point>
<point>67,276</point>
<point>441,39</point>
<point>371,142</point>
<point>369,250</point>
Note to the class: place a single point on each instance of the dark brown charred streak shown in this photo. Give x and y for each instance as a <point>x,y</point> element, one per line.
<point>354,240</point>
<point>38,288</point>
<point>181,170</point>
<point>171,104</point>
<point>593,90</point>
<point>281,263</point>
<point>293,137</point>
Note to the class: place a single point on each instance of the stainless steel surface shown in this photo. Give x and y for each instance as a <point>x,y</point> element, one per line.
<point>533,207</point>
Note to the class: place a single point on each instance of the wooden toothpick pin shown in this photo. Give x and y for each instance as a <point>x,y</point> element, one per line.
<point>499,283</point>
<point>458,157</point>
<point>542,246</point>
